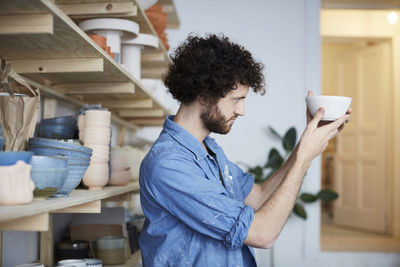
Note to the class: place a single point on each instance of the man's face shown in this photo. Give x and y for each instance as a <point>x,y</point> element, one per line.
<point>220,117</point>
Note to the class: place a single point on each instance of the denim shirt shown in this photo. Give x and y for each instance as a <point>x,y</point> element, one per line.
<point>194,217</point>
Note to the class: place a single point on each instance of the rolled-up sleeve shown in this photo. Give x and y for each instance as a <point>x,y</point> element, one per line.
<point>176,183</point>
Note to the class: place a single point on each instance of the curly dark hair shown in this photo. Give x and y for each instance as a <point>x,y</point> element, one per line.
<point>210,67</point>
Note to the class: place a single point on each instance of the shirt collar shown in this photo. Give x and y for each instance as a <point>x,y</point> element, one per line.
<point>182,136</point>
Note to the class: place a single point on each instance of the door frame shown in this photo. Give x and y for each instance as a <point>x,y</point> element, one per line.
<point>339,24</point>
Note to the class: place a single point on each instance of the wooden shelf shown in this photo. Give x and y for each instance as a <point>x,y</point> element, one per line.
<point>135,258</point>
<point>33,216</point>
<point>56,53</point>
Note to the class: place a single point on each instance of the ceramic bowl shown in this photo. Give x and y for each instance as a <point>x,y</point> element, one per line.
<point>29,265</point>
<point>58,144</point>
<point>120,178</point>
<point>110,242</point>
<point>99,136</point>
<point>53,151</point>
<point>48,162</point>
<point>94,262</point>
<point>96,176</point>
<point>8,158</point>
<point>335,106</point>
<point>73,262</point>
<point>48,180</point>
<point>56,131</point>
<point>67,120</point>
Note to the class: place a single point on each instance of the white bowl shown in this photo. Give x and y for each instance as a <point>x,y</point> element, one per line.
<point>73,262</point>
<point>335,106</point>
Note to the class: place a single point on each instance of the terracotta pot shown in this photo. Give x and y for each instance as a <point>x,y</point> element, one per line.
<point>120,178</point>
<point>16,185</point>
<point>96,176</point>
<point>100,40</point>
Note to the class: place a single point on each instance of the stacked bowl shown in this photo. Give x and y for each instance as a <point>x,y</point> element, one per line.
<point>96,135</point>
<point>1,140</point>
<point>58,128</point>
<point>76,156</point>
<point>48,174</point>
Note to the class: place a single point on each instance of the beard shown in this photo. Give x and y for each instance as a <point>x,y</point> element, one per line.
<point>214,120</point>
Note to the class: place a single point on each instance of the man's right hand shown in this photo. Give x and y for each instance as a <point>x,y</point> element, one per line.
<point>315,139</point>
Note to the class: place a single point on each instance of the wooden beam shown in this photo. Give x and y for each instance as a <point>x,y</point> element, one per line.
<point>153,72</point>
<point>144,113</point>
<point>79,10</point>
<point>49,107</point>
<point>149,121</point>
<point>123,103</point>
<point>119,198</point>
<point>90,207</point>
<point>47,244</point>
<point>121,135</point>
<point>39,222</point>
<point>154,56</point>
<point>96,88</point>
<point>58,65</point>
<point>26,24</point>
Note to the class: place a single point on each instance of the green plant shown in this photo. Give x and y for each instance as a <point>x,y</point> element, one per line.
<point>275,161</point>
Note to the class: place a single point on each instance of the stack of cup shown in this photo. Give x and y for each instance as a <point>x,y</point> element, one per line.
<point>96,135</point>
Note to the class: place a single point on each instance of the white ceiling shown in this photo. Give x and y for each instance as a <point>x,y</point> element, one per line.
<point>361,4</point>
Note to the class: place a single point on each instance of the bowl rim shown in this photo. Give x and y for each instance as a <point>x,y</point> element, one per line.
<point>329,96</point>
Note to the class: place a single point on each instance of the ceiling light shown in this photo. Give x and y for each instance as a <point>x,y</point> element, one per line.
<point>392,17</point>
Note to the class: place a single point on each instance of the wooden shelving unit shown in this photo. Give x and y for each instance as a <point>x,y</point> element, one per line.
<point>45,45</point>
<point>41,39</point>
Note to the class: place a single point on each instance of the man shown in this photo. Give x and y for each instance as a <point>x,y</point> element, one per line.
<point>200,208</point>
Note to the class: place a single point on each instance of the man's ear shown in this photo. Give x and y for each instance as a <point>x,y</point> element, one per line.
<point>202,100</point>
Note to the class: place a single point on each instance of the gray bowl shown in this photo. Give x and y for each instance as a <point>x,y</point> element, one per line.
<point>54,151</point>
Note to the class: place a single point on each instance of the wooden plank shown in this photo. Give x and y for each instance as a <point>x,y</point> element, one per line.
<point>149,121</point>
<point>144,113</point>
<point>154,56</point>
<point>119,198</point>
<point>49,107</point>
<point>99,9</point>
<point>90,207</point>
<point>153,72</point>
<point>47,244</point>
<point>37,222</point>
<point>96,88</point>
<point>121,135</point>
<point>26,24</point>
<point>58,65</point>
<point>77,197</point>
<point>123,103</point>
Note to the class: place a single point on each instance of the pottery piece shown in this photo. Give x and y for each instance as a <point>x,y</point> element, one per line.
<point>132,49</point>
<point>100,153</point>
<point>56,131</point>
<point>98,118</point>
<point>113,29</point>
<point>81,125</point>
<point>1,143</point>
<point>335,106</point>
<point>95,135</point>
<point>100,40</point>
<point>120,178</point>
<point>92,262</point>
<point>117,160</point>
<point>30,265</point>
<point>96,176</point>
<point>16,185</point>
<point>9,158</point>
<point>73,262</point>
<point>44,142</point>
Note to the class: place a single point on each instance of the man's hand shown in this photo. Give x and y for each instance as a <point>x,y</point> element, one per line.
<point>315,138</point>
<point>322,123</point>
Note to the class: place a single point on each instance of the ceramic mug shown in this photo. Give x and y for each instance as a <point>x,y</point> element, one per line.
<point>77,263</point>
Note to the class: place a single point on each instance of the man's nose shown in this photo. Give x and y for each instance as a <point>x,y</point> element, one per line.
<point>240,109</point>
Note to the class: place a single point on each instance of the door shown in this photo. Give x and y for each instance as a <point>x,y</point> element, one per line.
<point>360,177</point>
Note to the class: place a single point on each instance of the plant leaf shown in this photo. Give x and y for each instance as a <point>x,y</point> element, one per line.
<point>289,140</point>
<point>275,160</point>
<point>308,198</point>
<point>327,195</point>
<point>299,210</point>
<point>257,172</point>
<point>272,130</point>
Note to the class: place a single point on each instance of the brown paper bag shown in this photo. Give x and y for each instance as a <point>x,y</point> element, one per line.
<point>18,113</point>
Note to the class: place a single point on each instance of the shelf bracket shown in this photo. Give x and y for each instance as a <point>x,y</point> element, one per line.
<point>96,88</point>
<point>90,207</point>
<point>58,65</point>
<point>141,113</point>
<point>26,24</point>
<point>47,244</point>
<point>38,223</point>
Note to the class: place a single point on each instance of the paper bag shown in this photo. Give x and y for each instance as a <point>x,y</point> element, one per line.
<point>18,113</point>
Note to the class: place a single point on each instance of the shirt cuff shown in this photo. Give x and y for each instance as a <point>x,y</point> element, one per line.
<point>240,229</point>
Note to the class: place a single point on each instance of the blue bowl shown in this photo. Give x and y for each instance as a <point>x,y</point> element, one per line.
<point>38,161</point>
<point>58,144</point>
<point>69,120</point>
<point>56,131</point>
<point>74,161</point>
<point>49,177</point>
<point>8,158</point>
<point>1,143</point>
<point>53,151</point>
<point>70,184</point>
